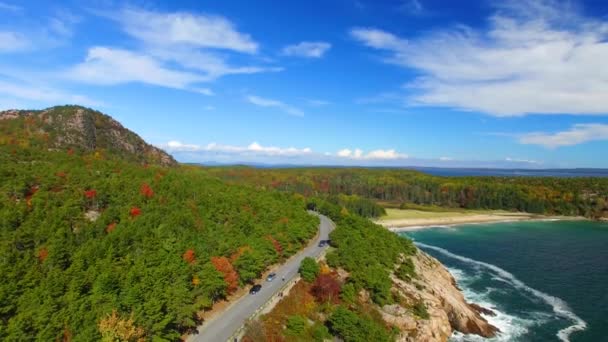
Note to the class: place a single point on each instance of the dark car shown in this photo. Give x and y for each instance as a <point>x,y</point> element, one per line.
<point>255,289</point>
<point>322,243</point>
<point>271,276</point>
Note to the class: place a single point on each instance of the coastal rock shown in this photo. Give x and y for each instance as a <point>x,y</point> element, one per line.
<point>447,309</point>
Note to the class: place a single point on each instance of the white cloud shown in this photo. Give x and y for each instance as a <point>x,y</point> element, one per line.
<point>253,149</point>
<point>211,65</point>
<point>379,39</point>
<point>10,7</point>
<point>204,91</point>
<point>307,49</point>
<point>521,161</point>
<point>446,158</point>
<point>413,7</point>
<point>317,103</point>
<point>264,102</point>
<point>578,134</point>
<point>13,41</point>
<point>44,94</point>
<point>358,154</point>
<point>175,50</point>
<point>109,66</point>
<point>182,28</point>
<point>535,57</point>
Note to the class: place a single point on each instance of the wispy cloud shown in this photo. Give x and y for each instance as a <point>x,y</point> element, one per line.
<point>10,7</point>
<point>413,7</point>
<point>535,57</point>
<point>174,50</point>
<point>109,66</point>
<point>578,134</point>
<point>251,149</point>
<point>359,154</point>
<point>183,28</point>
<point>45,95</point>
<point>522,161</point>
<point>265,102</point>
<point>13,41</point>
<point>307,49</point>
<point>317,102</point>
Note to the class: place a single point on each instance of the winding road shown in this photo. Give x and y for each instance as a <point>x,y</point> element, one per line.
<point>222,327</point>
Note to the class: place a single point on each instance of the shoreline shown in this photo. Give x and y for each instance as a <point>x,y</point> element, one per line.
<point>404,225</point>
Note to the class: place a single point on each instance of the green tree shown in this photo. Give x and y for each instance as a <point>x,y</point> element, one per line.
<point>309,269</point>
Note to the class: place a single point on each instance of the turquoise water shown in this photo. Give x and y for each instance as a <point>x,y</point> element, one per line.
<point>547,281</point>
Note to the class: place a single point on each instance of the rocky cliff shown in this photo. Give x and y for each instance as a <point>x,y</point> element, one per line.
<point>447,309</point>
<point>78,128</point>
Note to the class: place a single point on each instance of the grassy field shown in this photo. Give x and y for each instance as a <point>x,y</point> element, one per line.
<point>398,214</point>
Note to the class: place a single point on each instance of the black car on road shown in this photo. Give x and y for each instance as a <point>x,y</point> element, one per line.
<point>255,289</point>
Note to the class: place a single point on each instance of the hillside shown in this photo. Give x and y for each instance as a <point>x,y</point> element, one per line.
<point>96,244</point>
<point>412,189</point>
<point>77,128</point>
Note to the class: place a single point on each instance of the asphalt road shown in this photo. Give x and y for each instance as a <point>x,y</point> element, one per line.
<point>221,327</point>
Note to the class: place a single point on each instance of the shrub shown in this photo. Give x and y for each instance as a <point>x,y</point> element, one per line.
<point>353,328</point>
<point>309,269</point>
<point>420,310</point>
<point>406,270</point>
<point>349,293</point>
<point>296,325</point>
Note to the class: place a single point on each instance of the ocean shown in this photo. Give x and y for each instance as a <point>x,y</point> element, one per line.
<point>545,280</point>
<point>476,172</point>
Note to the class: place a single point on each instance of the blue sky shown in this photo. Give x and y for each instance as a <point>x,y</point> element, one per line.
<point>335,82</point>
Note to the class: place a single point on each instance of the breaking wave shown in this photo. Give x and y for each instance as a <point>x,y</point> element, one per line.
<point>511,326</point>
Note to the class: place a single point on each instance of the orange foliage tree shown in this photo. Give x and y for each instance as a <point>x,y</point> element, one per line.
<point>134,212</point>
<point>115,328</point>
<point>90,194</point>
<point>326,288</point>
<point>189,256</point>
<point>223,265</point>
<point>146,190</point>
<point>276,244</point>
<point>110,228</point>
<point>43,253</point>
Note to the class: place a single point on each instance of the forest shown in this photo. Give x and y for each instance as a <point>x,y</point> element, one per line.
<point>540,195</point>
<point>93,246</point>
<point>326,303</point>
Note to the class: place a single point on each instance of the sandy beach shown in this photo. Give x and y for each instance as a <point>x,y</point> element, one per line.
<point>408,224</point>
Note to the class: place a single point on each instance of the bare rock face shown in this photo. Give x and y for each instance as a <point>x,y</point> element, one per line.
<point>447,309</point>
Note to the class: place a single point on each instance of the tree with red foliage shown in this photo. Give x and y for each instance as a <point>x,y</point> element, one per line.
<point>43,253</point>
<point>110,228</point>
<point>134,212</point>
<point>146,190</point>
<point>223,265</point>
<point>90,194</point>
<point>276,244</point>
<point>189,256</point>
<point>326,288</point>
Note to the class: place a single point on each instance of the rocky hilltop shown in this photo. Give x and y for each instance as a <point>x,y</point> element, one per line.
<point>76,127</point>
<point>447,309</point>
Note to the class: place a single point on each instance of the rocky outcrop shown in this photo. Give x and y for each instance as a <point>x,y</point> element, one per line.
<point>435,289</point>
<point>85,129</point>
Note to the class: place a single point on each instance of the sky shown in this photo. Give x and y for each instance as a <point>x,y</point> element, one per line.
<point>509,84</point>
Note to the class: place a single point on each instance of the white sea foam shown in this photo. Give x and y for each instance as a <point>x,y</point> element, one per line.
<point>560,307</point>
<point>510,326</point>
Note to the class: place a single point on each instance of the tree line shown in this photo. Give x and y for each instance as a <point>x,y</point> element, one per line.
<point>584,196</point>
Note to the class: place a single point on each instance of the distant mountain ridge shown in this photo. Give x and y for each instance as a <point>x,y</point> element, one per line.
<point>78,128</point>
